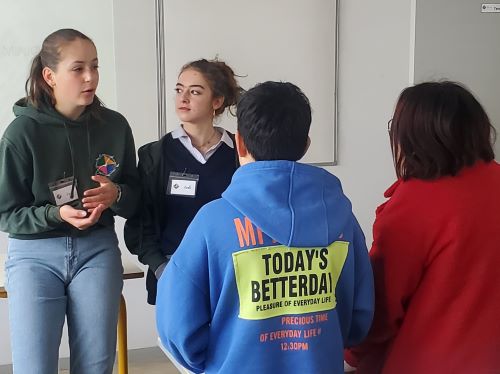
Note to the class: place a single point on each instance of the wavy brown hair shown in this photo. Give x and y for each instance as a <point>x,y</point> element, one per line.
<point>221,79</point>
<point>437,129</point>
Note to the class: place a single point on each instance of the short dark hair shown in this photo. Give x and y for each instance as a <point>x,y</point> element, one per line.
<point>274,120</point>
<point>437,129</point>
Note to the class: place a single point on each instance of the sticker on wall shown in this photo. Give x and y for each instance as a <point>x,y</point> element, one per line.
<point>105,165</point>
<point>490,8</point>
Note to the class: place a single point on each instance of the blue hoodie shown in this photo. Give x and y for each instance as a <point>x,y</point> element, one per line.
<point>274,277</point>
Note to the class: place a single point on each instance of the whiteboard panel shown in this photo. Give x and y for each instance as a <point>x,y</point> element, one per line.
<point>279,40</point>
<point>24,24</point>
<point>455,40</point>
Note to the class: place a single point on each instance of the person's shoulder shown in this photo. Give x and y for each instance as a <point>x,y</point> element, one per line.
<point>210,217</point>
<point>19,136</point>
<point>412,197</point>
<point>154,146</point>
<point>214,209</point>
<point>150,154</point>
<point>112,116</point>
<point>146,148</point>
<point>415,188</point>
<point>318,173</point>
<point>213,205</point>
<point>19,127</point>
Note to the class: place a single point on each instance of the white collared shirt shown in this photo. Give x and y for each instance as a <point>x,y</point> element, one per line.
<point>180,133</point>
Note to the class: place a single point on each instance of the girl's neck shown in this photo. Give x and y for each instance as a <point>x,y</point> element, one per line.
<point>199,133</point>
<point>71,113</point>
<point>202,137</point>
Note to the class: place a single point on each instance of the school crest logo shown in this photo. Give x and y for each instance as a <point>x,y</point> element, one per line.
<point>106,165</point>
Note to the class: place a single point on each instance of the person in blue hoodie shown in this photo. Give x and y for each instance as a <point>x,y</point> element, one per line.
<point>273,277</point>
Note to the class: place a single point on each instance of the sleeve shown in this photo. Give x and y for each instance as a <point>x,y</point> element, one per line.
<point>398,264</point>
<point>17,214</point>
<point>140,232</point>
<point>183,313</point>
<point>129,181</point>
<point>362,314</point>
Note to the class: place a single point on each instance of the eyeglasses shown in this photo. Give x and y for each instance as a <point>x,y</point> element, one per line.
<point>389,125</point>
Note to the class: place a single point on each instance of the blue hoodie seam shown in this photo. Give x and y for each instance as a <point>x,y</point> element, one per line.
<point>326,214</point>
<point>292,225</point>
<point>188,278</point>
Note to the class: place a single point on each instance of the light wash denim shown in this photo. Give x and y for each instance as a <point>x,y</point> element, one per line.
<point>75,277</point>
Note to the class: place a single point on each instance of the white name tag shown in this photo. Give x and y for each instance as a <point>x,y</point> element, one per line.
<point>182,184</point>
<point>62,189</point>
<point>183,187</point>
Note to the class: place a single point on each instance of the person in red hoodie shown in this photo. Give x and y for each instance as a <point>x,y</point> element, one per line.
<point>436,241</point>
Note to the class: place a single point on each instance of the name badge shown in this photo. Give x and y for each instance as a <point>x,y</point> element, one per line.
<point>182,184</point>
<point>62,190</point>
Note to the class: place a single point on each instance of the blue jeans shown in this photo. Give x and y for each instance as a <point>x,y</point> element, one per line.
<point>49,279</point>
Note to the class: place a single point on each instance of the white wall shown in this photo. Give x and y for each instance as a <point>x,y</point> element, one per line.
<point>374,66</point>
<point>23,26</point>
<point>374,63</point>
<point>135,56</point>
<point>472,52</point>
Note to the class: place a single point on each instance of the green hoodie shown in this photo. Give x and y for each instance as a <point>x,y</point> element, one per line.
<point>41,146</point>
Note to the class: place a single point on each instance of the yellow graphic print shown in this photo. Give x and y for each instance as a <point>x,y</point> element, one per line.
<point>279,280</point>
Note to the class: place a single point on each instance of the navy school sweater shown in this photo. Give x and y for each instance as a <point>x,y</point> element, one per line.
<point>165,218</point>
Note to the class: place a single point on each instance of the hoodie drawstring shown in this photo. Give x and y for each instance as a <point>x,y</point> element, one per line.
<point>73,183</point>
<point>72,161</point>
<point>92,172</point>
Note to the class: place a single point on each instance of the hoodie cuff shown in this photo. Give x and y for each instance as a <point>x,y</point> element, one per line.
<point>159,271</point>
<point>53,215</point>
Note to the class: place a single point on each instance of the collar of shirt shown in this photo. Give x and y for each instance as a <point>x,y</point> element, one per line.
<point>180,133</point>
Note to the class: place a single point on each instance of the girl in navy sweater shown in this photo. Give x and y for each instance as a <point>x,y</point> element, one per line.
<point>186,168</point>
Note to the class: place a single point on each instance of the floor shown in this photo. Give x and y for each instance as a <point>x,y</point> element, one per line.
<point>149,361</point>
<point>141,361</point>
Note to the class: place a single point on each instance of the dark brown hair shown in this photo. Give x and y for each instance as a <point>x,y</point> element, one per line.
<point>221,79</point>
<point>38,92</point>
<point>437,129</point>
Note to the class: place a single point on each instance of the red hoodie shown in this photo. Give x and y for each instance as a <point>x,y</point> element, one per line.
<point>436,263</point>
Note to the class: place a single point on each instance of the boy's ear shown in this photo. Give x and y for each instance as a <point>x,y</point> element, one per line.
<point>48,76</point>
<point>241,148</point>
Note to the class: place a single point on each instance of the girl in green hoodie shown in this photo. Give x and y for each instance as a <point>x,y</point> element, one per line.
<point>67,166</point>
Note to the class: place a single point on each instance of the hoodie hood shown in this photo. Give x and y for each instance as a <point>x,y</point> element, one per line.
<point>297,205</point>
<point>46,115</point>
